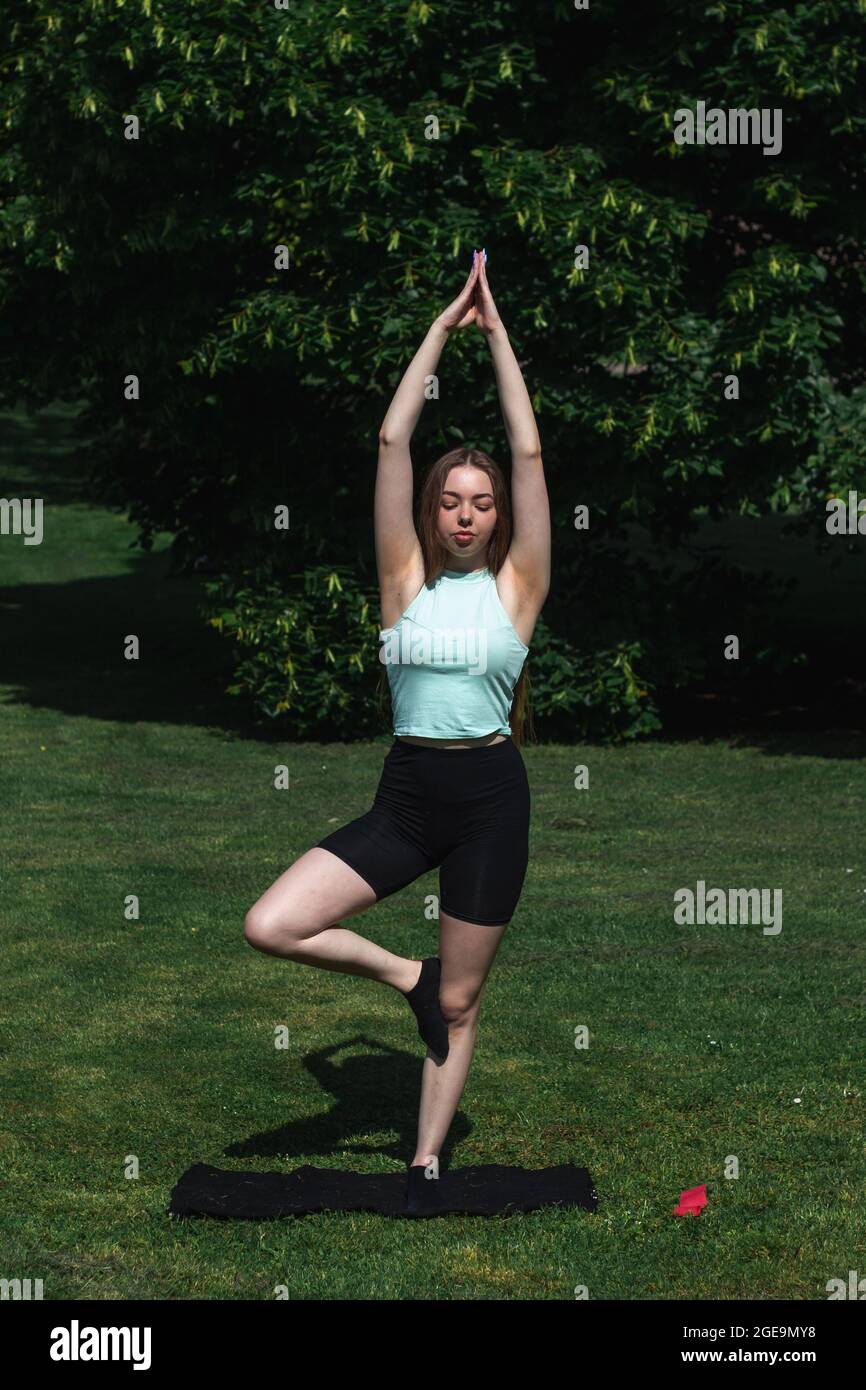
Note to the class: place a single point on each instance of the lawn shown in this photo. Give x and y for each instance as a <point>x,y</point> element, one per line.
<point>136,1046</point>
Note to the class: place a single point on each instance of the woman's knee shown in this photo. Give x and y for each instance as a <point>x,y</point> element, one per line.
<point>270,932</point>
<point>314,893</point>
<point>460,1005</point>
<point>258,927</point>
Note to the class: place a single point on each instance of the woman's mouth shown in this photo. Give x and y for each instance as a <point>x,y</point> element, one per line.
<point>463,536</point>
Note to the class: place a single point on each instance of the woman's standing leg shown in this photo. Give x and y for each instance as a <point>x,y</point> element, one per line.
<point>467,952</point>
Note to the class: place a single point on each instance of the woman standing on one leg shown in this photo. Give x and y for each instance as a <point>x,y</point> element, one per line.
<point>453,793</point>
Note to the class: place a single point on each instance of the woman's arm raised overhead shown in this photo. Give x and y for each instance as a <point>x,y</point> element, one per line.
<point>527,567</point>
<point>398,550</point>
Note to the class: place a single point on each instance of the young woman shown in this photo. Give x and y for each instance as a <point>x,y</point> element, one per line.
<point>453,792</point>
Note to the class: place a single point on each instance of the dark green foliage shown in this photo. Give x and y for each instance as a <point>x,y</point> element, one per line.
<point>590,695</point>
<point>304,649</point>
<point>305,128</point>
<point>308,651</point>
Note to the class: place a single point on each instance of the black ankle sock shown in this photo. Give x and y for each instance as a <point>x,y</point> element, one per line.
<point>424,1000</point>
<point>422,1193</point>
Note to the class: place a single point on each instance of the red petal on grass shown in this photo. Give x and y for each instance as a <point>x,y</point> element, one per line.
<point>693,1200</point>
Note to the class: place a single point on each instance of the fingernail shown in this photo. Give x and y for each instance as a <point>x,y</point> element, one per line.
<point>474,258</point>
<point>484,254</point>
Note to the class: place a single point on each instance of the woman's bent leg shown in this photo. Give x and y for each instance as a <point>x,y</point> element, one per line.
<point>298,917</point>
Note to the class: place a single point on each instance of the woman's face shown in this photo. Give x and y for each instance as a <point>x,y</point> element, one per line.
<point>466,506</point>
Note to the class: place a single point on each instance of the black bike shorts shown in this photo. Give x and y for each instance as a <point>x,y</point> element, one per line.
<point>463,810</point>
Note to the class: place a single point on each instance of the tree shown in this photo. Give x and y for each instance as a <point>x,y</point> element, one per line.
<point>377,144</point>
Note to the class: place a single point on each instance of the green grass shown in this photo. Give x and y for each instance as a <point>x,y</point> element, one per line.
<point>155,1037</point>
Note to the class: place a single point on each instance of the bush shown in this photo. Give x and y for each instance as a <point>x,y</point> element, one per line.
<point>590,694</point>
<point>309,654</point>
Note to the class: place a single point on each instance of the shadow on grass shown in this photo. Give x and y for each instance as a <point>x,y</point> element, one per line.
<point>39,448</point>
<point>64,639</point>
<point>373,1095</point>
<point>63,648</point>
<point>63,642</point>
<point>821,721</point>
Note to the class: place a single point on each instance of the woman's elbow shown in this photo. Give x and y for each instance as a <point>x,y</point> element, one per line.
<point>392,439</point>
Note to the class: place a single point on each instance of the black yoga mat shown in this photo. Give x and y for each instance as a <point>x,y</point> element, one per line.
<point>482,1191</point>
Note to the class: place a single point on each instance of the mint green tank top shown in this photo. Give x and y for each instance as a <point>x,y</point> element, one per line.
<point>453,659</point>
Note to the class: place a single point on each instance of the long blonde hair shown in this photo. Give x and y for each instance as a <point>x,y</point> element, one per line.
<point>436,556</point>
